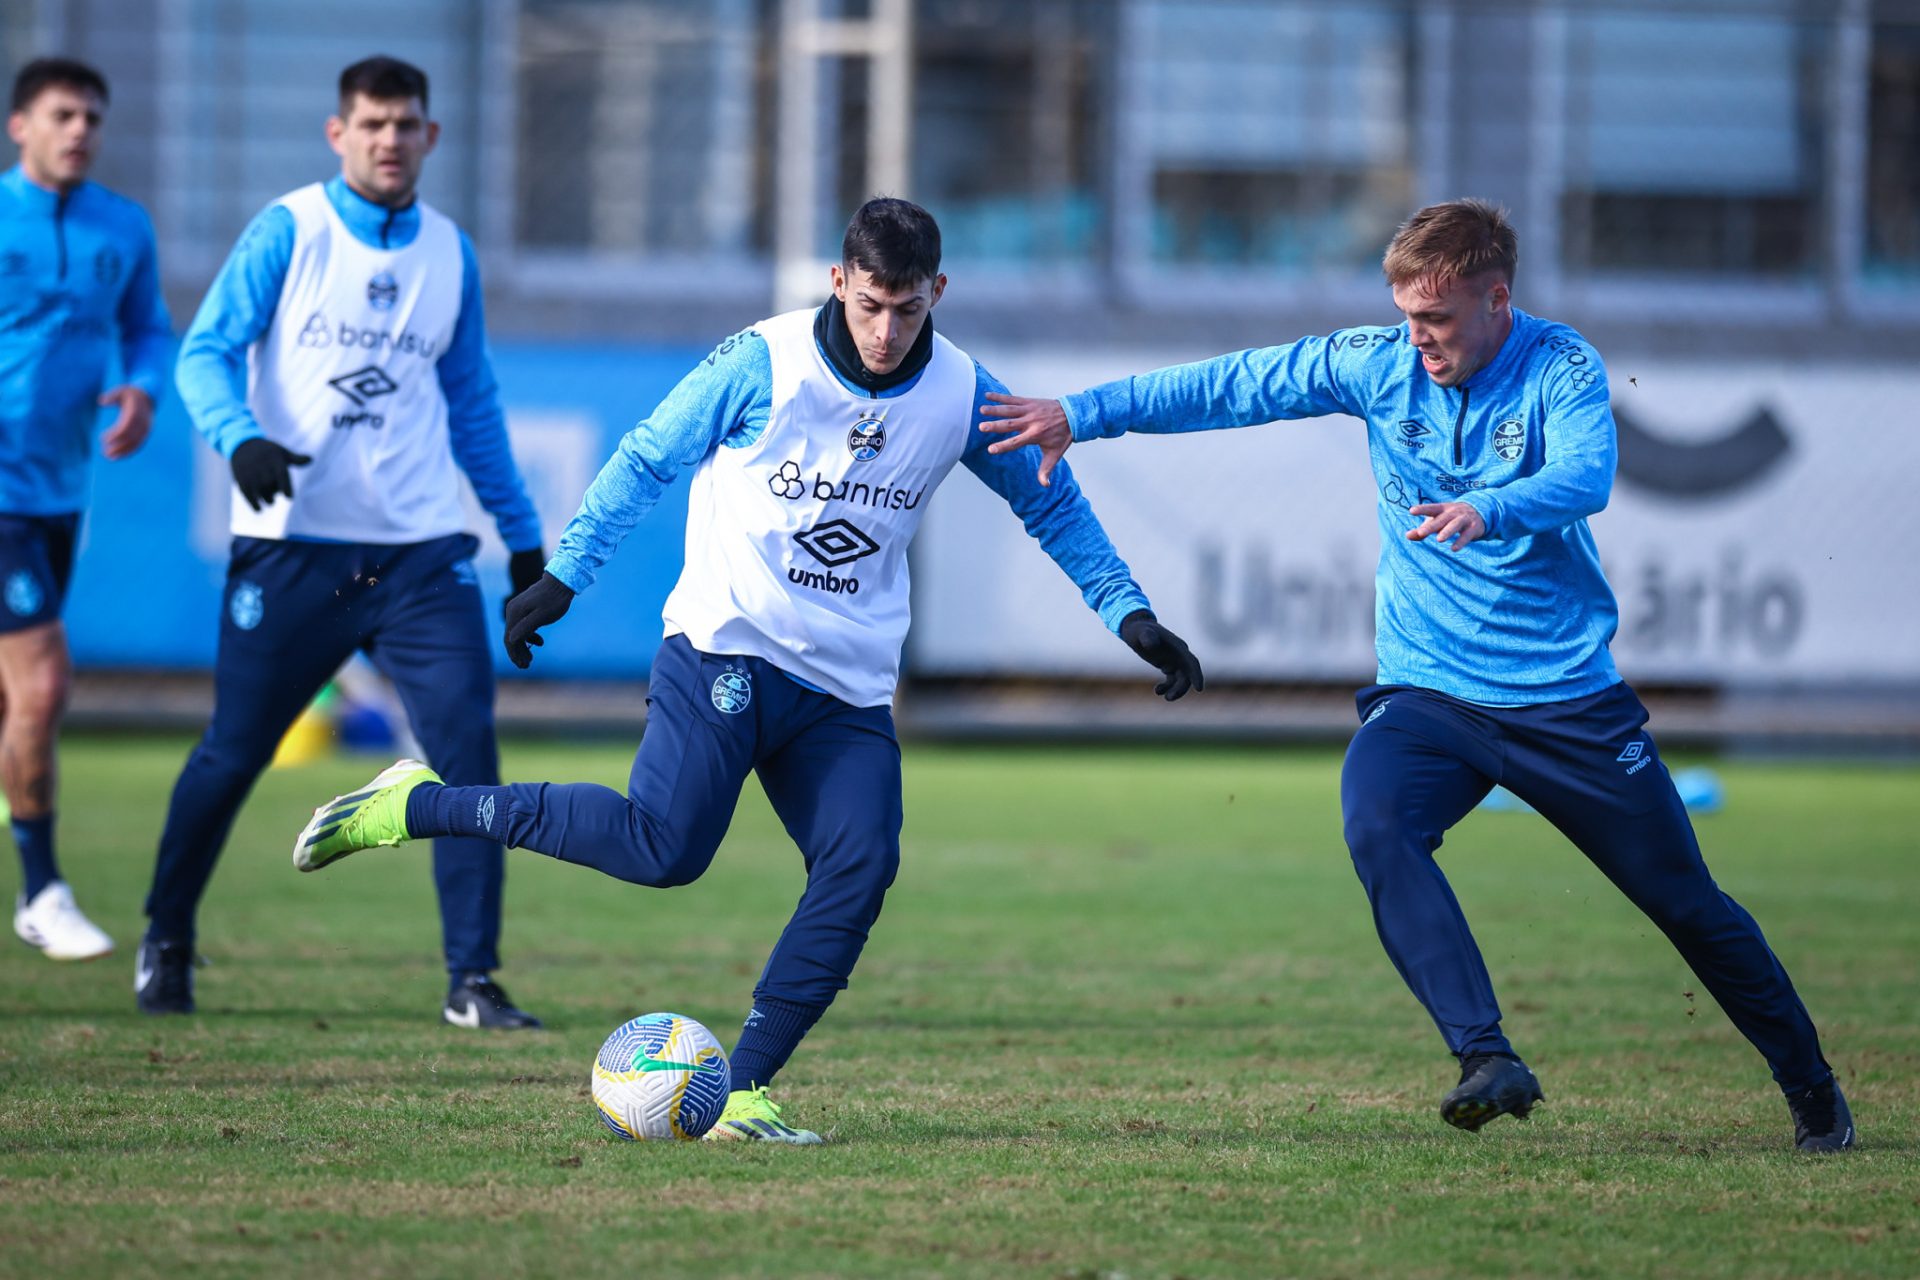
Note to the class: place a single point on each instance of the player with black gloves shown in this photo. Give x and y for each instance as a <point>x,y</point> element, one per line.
<point>816,439</point>
<point>358,309</point>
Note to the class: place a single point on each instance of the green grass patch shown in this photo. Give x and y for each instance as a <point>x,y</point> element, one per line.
<point>1125,1015</point>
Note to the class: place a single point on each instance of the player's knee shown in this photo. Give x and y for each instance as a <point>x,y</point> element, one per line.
<point>682,863</point>
<point>1376,832</point>
<point>40,697</point>
<point>1701,914</point>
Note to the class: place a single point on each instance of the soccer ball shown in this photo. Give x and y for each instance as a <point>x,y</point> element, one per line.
<point>661,1076</point>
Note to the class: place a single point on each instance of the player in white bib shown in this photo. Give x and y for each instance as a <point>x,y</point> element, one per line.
<point>816,439</point>
<point>339,363</point>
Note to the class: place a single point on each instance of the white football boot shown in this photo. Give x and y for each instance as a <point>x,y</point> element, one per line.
<point>54,924</point>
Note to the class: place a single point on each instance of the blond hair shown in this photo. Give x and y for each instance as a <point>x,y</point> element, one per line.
<point>1457,240</point>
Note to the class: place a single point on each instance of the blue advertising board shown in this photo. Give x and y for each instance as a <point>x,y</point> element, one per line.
<point>147,588</point>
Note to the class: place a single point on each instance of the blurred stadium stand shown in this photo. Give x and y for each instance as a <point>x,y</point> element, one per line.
<point>1724,195</point>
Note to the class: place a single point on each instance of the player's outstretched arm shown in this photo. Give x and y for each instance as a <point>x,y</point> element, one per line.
<point>1303,379</point>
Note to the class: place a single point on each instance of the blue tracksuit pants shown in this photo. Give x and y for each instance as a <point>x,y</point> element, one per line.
<point>294,611</point>
<point>1422,760</point>
<point>831,771</point>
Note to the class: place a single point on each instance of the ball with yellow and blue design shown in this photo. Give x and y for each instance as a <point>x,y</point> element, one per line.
<point>661,1076</point>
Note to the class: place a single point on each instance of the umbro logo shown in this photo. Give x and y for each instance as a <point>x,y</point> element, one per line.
<point>1635,757</point>
<point>837,542</point>
<point>1410,432</point>
<point>485,813</point>
<point>362,385</point>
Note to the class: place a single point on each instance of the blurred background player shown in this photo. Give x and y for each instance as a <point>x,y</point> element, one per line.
<point>1491,435</point>
<point>344,342</point>
<point>78,279</point>
<point>816,439</point>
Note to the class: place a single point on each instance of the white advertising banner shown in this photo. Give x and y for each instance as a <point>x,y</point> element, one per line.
<point>1759,534</point>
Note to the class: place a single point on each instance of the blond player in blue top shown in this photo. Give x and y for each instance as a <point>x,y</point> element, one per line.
<point>1492,440</point>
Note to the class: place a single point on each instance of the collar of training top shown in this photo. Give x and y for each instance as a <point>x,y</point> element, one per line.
<point>836,341</point>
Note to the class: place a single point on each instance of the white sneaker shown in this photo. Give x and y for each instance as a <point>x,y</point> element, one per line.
<point>54,924</point>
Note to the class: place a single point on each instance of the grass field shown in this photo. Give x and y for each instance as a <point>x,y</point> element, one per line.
<point>1125,1015</point>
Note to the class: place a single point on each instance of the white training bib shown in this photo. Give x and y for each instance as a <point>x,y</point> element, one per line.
<point>797,543</point>
<point>347,375</point>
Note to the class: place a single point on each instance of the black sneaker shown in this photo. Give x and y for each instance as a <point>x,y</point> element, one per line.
<point>476,1000</point>
<point>163,977</point>
<point>1491,1084</point>
<point>1821,1121</point>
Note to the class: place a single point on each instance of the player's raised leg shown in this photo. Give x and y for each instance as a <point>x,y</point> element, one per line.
<point>1414,769</point>
<point>663,832</point>
<point>1592,770</point>
<point>836,787</point>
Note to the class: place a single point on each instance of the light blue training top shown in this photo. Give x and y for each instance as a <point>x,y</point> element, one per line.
<point>238,310</point>
<point>78,278</point>
<point>1521,616</point>
<point>725,402</point>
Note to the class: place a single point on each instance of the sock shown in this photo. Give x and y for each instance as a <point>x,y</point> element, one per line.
<point>774,1030</point>
<point>34,838</point>
<point>437,810</point>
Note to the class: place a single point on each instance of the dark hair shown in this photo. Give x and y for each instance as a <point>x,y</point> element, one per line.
<point>896,241</point>
<point>1457,240</point>
<point>383,78</point>
<point>42,73</point>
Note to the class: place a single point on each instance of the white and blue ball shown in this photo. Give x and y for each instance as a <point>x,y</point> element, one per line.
<point>661,1076</point>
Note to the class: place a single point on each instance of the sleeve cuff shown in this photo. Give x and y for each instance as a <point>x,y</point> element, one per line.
<point>571,571</point>
<point>521,532</point>
<point>1119,610</point>
<point>1488,506</point>
<point>1083,416</point>
<point>236,436</point>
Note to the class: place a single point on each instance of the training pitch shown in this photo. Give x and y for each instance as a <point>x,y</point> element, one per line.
<point>1124,1014</point>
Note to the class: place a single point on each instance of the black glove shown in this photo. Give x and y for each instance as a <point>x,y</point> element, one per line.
<point>1144,634</point>
<point>544,602</point>
<point>523,570</point>
<point>260,469</point>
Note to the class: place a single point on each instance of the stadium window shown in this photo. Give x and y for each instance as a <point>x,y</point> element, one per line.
<point>1007,127</point>
<point>17,36</point>
<point>1893,156</point>
<point>1276,135</point>
<point>1694,142</point>
<point>250,83</point>
<point>642,128</point>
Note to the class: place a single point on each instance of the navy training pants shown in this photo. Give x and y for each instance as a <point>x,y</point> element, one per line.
<point>830,769</point>
<point>1421,761</point>
<point>294,611</point>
